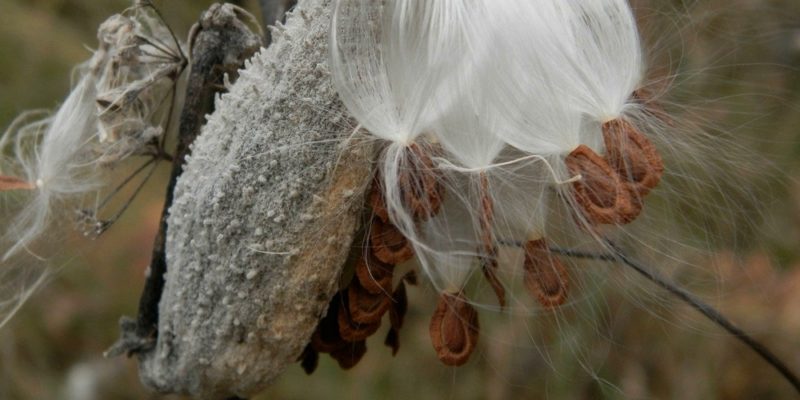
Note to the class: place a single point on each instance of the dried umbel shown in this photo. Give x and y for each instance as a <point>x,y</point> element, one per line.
<point>119,107</point>
<point>136,85</point>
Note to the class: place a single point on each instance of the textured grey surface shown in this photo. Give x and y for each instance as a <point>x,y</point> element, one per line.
<point>263,219</point>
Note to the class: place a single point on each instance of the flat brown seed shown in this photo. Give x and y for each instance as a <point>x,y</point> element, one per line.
<point>374,275</point>
<point>350,355</point>
<point>419,184</point>
<point>365,307</point>
<point>600,192</point>
<point>488,249</point>
<point>326,337</point>
<point>489,267</point>
<point>13,183</point>
<point>376,201</point>
<point>397,312</point>
<point>388,244</point>
<point>632,155</point>
<point>392,340</point>
<point>350,330</point>
<point>545,275</point>
<point>454,329</point>
<point>486,218</point>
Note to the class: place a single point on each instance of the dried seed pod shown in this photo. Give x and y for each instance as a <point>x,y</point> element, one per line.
<point>350,355</point>
<point>350,330</point>
<point>545,275</point>
<point>309,360</point>
<point>632,155</point>
<point>12,183</point>
<point>454,329</point>
<point>421,190</point>
<point>365,307</point>
<point>374,275</point>
<point>600,192</point>
<point>388,244</point>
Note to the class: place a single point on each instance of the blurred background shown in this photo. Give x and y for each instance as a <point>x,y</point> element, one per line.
<point>738,68</point>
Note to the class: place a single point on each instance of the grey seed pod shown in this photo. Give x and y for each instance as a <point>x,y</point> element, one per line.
<point>249,273</point>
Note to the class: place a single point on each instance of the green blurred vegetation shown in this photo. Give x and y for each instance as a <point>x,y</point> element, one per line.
<point>737,64</point>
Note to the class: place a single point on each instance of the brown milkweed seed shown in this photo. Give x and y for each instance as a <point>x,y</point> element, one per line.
<point>488,251</point>
<point>397,314</point>
<point>545,275</point>
<point>489,267</point>
<point>350,330</point>
<point>309,360</point>
<point>604,198</point>
<point>326,337</point>
<point>632,155</point>
<point>454,329</point>
<point>376,201</point>
<point>12,183</point>
<point>365,307</point>
<point>374,275</point>
<point>419,184</point>
<point>388,244</point>
<point>348,356</point>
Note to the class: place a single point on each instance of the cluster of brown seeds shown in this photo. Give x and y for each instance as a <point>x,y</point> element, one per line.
<point>609,191</point>
<point>611,188</point>
<point>355,312</point>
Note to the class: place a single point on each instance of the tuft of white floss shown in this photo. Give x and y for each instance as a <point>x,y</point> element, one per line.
<point>53,154</point>
<point>399,66</point>
<point>391,62</point>
<point>113,111</point>
<point>117,108</point>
